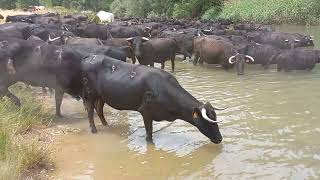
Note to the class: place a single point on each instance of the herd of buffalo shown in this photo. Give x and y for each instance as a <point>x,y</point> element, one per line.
<point>89,61</point>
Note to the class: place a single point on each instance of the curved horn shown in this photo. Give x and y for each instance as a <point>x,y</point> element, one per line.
<point>204,115</point>
<point>287,40</point>
<point>146,39</point>
<point>297,40</point>
<point>230,59</point>
<point>129,39</point>
<point>250,57</point>
<point>65,28</point>
<point>206,30</point>
<point>51,40</point>
<point>219,109</point>
<point>148,27</point>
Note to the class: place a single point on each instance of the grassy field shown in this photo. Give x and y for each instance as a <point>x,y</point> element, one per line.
<point>273,11</point>
<point>24,152</point>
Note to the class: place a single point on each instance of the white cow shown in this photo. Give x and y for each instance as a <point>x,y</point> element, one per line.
<point>105,16</point>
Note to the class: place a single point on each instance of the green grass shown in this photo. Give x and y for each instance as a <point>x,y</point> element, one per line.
<point>273,11</point>
<point>21,153</point>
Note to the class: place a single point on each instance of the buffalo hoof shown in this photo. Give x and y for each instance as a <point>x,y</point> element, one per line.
<point>17,103</point>
<point>105,123</point>
<point>94,130</point>
<point>59,116</point>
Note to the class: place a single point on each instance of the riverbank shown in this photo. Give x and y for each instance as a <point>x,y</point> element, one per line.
<point>25,139</point>
<point>303,12</point>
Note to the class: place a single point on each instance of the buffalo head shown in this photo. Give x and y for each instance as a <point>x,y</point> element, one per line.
<point>303,41</point>
<point>205,119</point>
<point>239,60</point>
<point>137,44</point>
<point>147,31</point>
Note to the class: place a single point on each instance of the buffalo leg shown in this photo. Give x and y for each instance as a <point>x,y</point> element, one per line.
<point>163,65</point>
<point>90,109</point>
<point>148,126</point>
<point>58,98</point>
<point>12,97</point>
<point>99,110</point>
<point>196,57</point>
<point>44,90</point>
<point>152,64</point>
<point>51,91</point>
<point>4,91</point>
<point>172,64</point>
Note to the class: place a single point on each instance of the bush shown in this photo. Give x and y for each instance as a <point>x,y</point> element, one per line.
<point>212,13</point>
<point>273,11</point>
<point>168,8</point>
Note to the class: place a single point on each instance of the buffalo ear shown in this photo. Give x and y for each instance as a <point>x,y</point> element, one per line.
<point>196,113</point>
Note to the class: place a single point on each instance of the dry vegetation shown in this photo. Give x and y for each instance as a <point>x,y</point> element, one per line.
<point>25,151</point>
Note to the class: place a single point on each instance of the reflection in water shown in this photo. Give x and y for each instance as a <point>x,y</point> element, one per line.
<point>270,130</point>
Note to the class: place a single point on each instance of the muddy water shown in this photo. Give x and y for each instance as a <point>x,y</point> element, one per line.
<point>271,130</point>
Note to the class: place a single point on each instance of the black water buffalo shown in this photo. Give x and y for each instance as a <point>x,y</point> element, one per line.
<point>14,30</point>
<point>35,18</point>
<point>156,94</point>
<point>216,51</point>
<point>74,40</point>
<point>40,65</point>
<point>184,40</point>
<point>92,30</point>
<point>253,27</point>
<point>155,50</point>
<point>78,17</point>
<point>44,32</point>
<point>127,32</point>
<point>303,40</point>
<point>281,40</point>
<point>120,53</point>
<point>297,59</point>
<point>263,54</point>
<point>21,18</point>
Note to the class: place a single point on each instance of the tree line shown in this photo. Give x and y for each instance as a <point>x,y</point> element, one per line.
<point>132,8</point>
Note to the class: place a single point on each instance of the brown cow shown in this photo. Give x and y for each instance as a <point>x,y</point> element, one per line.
<point>219,51</point>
